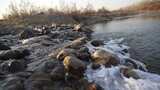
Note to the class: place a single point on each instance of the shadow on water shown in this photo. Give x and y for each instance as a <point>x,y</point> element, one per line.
<point>141,33</point>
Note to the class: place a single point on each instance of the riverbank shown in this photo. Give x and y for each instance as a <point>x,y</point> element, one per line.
<point>64,57</point>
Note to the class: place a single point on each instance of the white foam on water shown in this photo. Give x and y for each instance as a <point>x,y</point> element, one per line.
<point>112,79</point>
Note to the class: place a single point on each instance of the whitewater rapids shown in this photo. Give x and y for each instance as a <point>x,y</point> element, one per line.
<point>112,79</point>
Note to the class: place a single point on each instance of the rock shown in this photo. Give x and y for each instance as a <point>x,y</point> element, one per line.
<point>68,88</point>
<point>85,56</point>
<point>74,66</point>
<point>37,39</point>
<point>4,47</point>
<point>24,74</point>
<point>49,66</point>
<point>39,81</point>
<point>104,57</point>
<point>28,34</point>
<point>83,49</point>
<point>13,83</point>
<point>77,43</point>
<point>77,27</point>
<point>97,43</point>
<point>54,53</point>
<point>65,52</point>
<point>93,86</point>
<point>95,66</point>
<point>12,66</point>
<point>129,72</point>
<point>13,54</point>
<point>58,73</point>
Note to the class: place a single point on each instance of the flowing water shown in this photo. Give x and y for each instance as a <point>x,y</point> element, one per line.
<point>141,33</point>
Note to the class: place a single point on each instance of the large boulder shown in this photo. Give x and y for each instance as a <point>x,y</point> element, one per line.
<point>74,66</point>
<point>13,54</point>
<point>104,57</point>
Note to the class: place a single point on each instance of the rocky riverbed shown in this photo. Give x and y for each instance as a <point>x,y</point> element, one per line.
<point>64,57</point>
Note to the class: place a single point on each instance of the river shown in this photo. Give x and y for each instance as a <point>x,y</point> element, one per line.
<point>141,34</point>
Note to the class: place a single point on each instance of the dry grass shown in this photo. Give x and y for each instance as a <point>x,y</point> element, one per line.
<point>146,5</point>
<point>26,12</point>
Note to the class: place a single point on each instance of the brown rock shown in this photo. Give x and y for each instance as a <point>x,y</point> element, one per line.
<point>65,52</point>
<point>105,58</point>
<point>129,72</point>
<point>77,43</point>
<point>74,66</point>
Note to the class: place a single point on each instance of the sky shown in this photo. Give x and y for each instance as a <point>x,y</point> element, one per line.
<point>109,4</point>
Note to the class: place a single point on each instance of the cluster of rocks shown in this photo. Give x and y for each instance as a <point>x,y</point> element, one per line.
<point>46,58</point>
<point>52,58</point>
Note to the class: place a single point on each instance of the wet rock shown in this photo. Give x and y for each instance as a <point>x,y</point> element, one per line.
<point>83,49</point>
<point>74,66</point>
<point>78,27</point>
<point>28,33</point>
<point>4,47</point>
<point>65,52</point>
<point>104,57</point>
<point>85,56</point>
<point>93,86</point>
<point>68,88</point>
<point>13,83</point>
<point>95,66</point>
<point>36,39</point>
<point>129,72</point>
<point>77,43</point>
<point>39,81</point>
<point>97,43</point>
<point>24,74</point>
<point>58,73</point>
<point>49,66</point>
<point>12,66</point>
<point>13,54</point>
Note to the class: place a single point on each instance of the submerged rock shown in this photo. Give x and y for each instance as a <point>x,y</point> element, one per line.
<point>74,66</point>
<point>104,57</point>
